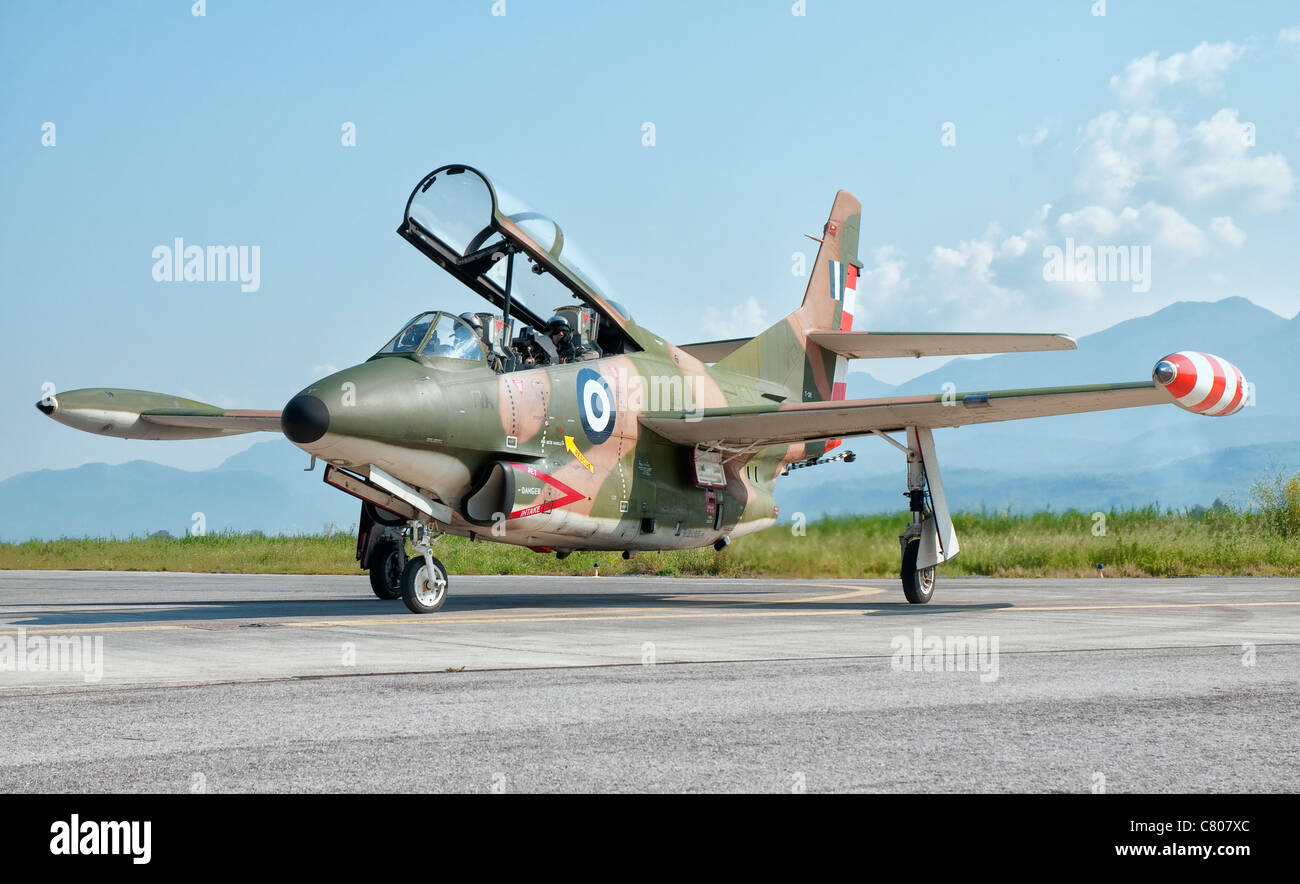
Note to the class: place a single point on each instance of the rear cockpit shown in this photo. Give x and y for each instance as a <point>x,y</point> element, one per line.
<point>557,311</point>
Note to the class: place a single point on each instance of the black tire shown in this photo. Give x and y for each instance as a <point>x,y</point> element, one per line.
<point>387,561</point>
<point>421,598</point>
<point>918,586</point>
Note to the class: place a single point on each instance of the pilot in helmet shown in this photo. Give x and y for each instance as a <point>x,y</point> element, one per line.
<point>558,329</point>
<point>474,322</point>
<point>466,337</point>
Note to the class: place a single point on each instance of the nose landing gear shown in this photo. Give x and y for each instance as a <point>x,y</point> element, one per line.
<point>424,579</point>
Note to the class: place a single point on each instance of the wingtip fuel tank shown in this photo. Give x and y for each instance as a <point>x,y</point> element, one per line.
<point>1202,383</point>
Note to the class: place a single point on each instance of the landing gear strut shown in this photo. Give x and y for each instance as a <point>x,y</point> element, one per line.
<point>424,579</point>
<point>929,539</point>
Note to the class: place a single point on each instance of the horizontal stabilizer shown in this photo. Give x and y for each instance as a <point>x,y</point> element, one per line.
<point>883,345</point>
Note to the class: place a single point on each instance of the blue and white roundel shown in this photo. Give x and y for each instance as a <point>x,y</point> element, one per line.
<point>596,404</point>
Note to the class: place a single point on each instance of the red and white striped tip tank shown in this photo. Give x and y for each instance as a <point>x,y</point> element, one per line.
<point>1202,383</point>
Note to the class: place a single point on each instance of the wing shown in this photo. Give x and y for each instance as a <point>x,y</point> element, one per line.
<point>749,426</point>
<point>138,414</point>
<point>882,345</point>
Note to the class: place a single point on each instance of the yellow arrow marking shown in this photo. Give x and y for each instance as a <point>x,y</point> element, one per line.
<point>572,448</point>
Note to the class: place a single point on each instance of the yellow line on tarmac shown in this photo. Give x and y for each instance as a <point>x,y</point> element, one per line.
<point>149,627</point>
<point>623,613</point>
<point>640,613</point>
<point>582,618</point>
<point>1165,605</point>
<point>853,591</point>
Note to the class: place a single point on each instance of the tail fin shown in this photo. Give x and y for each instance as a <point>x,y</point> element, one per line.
<point>784,360</point>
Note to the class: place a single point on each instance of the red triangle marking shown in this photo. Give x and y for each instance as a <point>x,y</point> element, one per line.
<point>570,495</point>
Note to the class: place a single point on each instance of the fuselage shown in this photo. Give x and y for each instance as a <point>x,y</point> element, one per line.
<point>583,472</point>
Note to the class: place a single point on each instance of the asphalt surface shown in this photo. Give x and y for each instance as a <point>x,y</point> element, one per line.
<point>216,683</point>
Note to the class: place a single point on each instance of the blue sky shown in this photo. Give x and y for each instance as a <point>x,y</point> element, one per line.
<point>225,129</point>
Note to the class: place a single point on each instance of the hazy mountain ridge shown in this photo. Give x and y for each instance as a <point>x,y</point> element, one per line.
<point>261,489</point>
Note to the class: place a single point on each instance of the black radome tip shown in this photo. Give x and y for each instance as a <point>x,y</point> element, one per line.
<point>305,419</point>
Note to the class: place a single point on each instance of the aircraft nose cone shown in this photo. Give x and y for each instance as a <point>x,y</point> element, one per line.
<point>47,406</point>
<point>305,419</point>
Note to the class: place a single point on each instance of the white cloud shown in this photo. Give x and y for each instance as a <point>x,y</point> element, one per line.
<point>1203,67</point>
<point>1038,137</point>
<point>1289,36</point>
<point>1121,150</point>
<point>1141,171</point>
<point>886,275</point>
<point>1170,235</point>
<point>745,318</point>
<point>1226,232</point>
<point>1147,153</point>
<point>1013,246</point>
<point>1221,167</point>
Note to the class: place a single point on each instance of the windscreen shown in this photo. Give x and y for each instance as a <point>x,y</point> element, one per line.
<point>408,340</point>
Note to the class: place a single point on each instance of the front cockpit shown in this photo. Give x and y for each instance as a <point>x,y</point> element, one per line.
<point>437,335</point>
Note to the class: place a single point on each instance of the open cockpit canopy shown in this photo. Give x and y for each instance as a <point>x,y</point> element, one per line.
<point>519,260</point>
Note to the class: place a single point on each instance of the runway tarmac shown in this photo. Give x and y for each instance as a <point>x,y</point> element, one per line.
<point>198,682</point>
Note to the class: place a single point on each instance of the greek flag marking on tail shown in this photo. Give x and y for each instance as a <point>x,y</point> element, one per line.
<point>837,281</point>
<point>844,286</point>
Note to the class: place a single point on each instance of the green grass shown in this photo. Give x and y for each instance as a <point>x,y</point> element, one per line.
<point>1136,543</point>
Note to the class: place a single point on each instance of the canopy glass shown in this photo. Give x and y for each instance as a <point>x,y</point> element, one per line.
<point>487,238</point>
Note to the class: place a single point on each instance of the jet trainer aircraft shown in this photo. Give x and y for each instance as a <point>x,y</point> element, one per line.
<point>555,421</point>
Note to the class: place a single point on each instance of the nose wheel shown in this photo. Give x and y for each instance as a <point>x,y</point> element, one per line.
<point>424,580</point>
<point>424,585</point>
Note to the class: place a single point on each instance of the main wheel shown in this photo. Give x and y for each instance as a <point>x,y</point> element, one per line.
<point>423,592</point>
<point>381,516</point>
<point>387,560</point>
<point>918,586</point>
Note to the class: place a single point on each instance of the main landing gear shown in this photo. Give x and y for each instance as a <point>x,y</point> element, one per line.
<point>386,564</point>
<point>381,549</point>
<point>929,539</point>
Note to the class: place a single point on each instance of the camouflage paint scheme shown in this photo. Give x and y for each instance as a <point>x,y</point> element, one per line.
<point>438,424</point>
<point>591,469</point>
